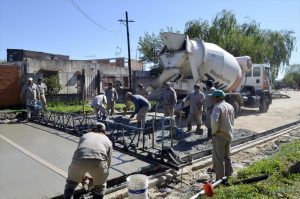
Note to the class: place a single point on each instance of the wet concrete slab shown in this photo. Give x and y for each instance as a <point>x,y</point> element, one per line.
<point>54,148</point>
<point>23,177</point>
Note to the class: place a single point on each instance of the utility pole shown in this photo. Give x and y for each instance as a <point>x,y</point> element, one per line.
<point>128,45</point>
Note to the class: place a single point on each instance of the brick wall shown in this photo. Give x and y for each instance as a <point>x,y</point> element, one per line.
<point>10,87</point>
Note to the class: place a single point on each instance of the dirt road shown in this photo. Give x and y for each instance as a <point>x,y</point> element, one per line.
<point>281,111</point>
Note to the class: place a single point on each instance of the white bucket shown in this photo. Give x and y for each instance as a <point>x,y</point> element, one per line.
<point>137,186</point>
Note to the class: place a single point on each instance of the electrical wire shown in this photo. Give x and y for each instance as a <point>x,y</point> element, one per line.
<point>89,18</point>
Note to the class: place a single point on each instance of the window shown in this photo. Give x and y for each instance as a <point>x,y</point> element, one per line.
<point>79,83</point>
<point>256,71</point>
<point>112,61</point>
<point>267,71</point>
<point>248,73</point>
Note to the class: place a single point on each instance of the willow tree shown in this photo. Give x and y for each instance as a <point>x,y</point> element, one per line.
<point>263,46</point>
<point>292,76</point>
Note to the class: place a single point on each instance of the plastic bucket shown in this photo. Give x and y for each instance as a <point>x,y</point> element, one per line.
<point>137,186</point>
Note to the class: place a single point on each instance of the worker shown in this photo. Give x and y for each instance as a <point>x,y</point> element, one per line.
<point>98,104</point>
<point>93,155</point>
<point>142,106</point>
<point>42,89</point>
<point>141,90</point>
<point>30,94</point>
<point>196,99</point>
<point>112,98</point>
<point>169,101</point>
<point>208,105</point>
<point>222,121</point>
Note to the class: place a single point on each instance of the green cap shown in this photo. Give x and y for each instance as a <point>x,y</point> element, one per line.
<point>217,93</point>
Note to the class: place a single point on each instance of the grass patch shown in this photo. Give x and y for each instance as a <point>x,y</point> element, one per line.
<point>280,183</point>
<point>74,107</point>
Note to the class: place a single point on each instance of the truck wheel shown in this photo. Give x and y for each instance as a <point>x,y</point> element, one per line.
<point>264,105</point>
<point>237,108</point>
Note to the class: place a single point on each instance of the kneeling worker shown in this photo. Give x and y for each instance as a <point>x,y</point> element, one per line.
<point>142,106</point>
<point>92,155</point>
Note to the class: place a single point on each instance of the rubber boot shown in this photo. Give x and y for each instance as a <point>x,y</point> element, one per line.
<point>189,127</point>
<point>98,192</point>
<point>69,190</point>
<point>104,117</point>
<point>209,133</point>
<point>199,130</point>
<point>112,112</point>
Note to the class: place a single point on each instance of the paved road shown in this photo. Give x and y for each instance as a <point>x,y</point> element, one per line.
<point>34,161</point>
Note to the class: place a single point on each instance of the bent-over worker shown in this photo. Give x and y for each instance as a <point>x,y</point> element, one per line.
<point>142,106</point>
<point>93,155</point>
<point>222,121</point>
<point>98,104</point>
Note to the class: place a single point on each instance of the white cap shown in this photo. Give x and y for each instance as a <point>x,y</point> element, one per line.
<point>128,94</point>
<point>101,125</point>
<point>30,79</point>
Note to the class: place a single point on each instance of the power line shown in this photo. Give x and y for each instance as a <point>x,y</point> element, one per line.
<point>89,18</point>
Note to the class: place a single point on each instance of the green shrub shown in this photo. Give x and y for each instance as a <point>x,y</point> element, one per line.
<point>53,85</point>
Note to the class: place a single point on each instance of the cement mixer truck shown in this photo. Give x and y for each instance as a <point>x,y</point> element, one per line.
<point>189,61</point>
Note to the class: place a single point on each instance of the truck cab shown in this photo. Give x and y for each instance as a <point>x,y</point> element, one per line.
<point>256,87</point>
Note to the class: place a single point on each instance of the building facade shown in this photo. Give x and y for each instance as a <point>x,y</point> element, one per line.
<point>81,78</point>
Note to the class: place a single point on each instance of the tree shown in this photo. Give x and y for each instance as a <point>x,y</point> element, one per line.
<point>292,76</point>
<point>53,85</point>
<point>149,46</point>
<point>263,46</point>
<point>197,29</point>
<point>280,45</point>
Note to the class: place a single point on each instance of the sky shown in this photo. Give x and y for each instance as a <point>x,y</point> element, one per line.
<point>58,26</point>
